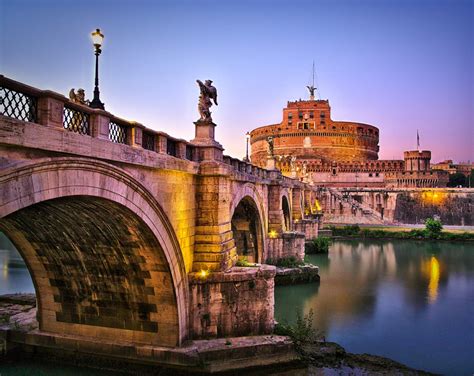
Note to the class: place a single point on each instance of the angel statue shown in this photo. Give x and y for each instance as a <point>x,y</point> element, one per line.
<point>208,92</point>
<point>79,97</point>
<point>311,89</point>
<point>292,163</point>
<point>270,146</point>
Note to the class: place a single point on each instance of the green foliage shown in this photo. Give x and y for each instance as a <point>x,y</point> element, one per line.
<point>433,230</point>
<point>417,233</point>
<point>285,262</point>
<point>302,331</point>
<point>243,262</point>
<point>457,179</point>
<point>317,245</point>
<point>433,227</point>
<point>350,230</point>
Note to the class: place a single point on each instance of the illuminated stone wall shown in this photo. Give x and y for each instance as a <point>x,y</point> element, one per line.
<point>453,208</point>
<point>232,304</point>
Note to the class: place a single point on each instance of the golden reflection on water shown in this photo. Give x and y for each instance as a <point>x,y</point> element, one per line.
<point>5,271</point>
<point>430,270</point>
<point>434,280</point>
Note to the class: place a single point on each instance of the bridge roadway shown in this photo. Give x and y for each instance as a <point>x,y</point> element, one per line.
<point>132,235</point>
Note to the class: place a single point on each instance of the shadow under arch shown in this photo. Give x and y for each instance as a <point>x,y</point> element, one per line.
<point>285,207</point>
<point>247,229</point>
<point>114,230</point>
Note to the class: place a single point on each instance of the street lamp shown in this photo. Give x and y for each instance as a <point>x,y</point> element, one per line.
<point>97,39</point>
<point>247,137</point>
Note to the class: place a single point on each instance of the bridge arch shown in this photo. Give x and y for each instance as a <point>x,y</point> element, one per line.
<point>102,254</point>
<point>249,223</point>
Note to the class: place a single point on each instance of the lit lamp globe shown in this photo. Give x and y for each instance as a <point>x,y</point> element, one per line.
<point>97,39</point>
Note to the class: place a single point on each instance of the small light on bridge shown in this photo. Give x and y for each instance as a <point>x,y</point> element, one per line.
<point>272,234</point>
<point>204,273</point>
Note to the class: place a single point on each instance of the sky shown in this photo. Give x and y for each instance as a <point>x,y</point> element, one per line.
<point>399,65</point>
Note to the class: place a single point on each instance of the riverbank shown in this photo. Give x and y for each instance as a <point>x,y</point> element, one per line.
<point>257,355</point>
<point>403,233</point>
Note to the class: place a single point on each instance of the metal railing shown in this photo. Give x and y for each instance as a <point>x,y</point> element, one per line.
<point>76,121</point>
<point>18,105</point>
<point>171,147</point>
<point>148,141</point>
<point>118,133</point>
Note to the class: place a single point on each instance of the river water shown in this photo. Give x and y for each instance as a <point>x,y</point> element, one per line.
<point>406,300</point>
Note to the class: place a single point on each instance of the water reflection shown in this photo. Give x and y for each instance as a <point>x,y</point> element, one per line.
<point>14,275</point>
<point>395,299</point>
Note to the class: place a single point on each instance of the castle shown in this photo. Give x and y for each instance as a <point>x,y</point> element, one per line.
<point>309,145</point>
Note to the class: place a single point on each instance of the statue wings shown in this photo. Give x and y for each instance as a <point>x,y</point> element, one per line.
<point>212,93</point>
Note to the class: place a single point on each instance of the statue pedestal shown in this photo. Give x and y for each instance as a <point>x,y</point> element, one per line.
<point>208,147</point>
<point>204,130</point>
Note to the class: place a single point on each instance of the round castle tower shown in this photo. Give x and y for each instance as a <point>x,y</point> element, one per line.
<point>308,132</point>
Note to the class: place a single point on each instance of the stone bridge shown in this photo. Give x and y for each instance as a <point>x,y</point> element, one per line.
<point>132,234</point>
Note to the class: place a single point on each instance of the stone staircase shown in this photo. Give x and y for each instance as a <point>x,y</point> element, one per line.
<point>364,213</point>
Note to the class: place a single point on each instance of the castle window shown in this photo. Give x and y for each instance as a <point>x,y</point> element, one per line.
<point>305,126</point>
<point>290,116</point>
<point>377,174</point>
<point>323,114</point>
<point>300,115</point>
<point>370,175</point>
<point>334,127</point>
<point>311,114</point>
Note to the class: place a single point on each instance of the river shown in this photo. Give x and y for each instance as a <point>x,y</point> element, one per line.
<point>407,300</point>
<point>410,301</point>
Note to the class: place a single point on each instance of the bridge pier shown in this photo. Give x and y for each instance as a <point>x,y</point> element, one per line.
<point>237,302</point>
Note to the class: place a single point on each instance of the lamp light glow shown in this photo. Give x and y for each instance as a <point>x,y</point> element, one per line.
<point>97,38</point>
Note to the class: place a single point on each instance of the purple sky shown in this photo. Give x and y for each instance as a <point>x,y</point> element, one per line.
<point>398,65</point>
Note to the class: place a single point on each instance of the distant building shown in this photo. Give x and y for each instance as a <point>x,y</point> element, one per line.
<point>452,168</point>
<point>309,145</point>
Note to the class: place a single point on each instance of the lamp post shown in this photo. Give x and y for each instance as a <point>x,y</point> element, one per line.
<point>97,39</point>
<point>247,137</point>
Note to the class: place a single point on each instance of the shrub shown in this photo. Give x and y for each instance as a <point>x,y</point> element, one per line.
<point>317,245</point>
<point>285,262</point>
<point>350,230</point>
<point>243,262</point>
<point>433,227</point>
<point>417,233</point>
<point>302,331</point>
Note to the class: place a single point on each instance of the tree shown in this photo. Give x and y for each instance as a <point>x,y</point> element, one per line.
<point>433,227</point>
<point>457,179</point>
<point>470,180</point>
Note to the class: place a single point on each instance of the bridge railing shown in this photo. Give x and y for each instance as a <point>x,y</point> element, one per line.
<point>26,103</point>
<point>19,101</point>
<point>245,167</point>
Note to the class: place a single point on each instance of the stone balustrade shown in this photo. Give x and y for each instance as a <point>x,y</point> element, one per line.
<point>245,167</point>
<point>51,109</point>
